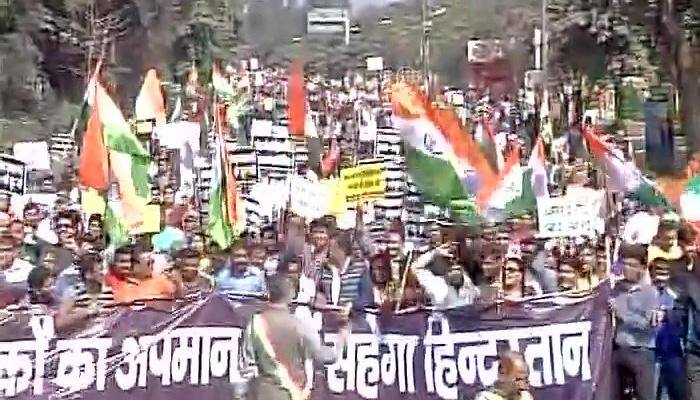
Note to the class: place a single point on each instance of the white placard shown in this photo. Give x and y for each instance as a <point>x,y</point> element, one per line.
<point>261,128</point>
<point>482,51</point>
<point>457,99</point>
<point>327,20</point>
<point>308,198</point>
<point>576,214</point>
<point>280,132</point>
<point>34,154</point>
<point>375,64</point>
<point>254,66</point>
<point>13,175</point>
<point>176,134</point>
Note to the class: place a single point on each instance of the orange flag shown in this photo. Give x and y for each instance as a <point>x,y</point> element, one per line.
<point>296,100</point>
<point>94,164</point>
<point>150,103</point>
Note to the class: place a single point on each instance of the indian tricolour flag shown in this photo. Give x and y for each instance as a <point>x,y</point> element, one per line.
<point>235,101</point>
<point>128,164</point>
<point>623,176</point>
<point>222,87</point>
<point>443,160</point>
<point>514,196</point>
<point>538,179</point>
<point>150,103</point>
<point>225,215</point>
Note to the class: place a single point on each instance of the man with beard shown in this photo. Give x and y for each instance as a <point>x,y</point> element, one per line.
<point>443,284</point>
<point>187,265</point>
<point>238,275</point>
<point>316,254</point>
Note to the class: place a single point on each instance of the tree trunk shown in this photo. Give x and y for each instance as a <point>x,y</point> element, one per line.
<point>690,98</point>
<point>686,73</point>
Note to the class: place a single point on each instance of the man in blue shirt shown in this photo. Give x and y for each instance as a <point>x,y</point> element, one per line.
<point>238,276</point>
<point>633,304</point>
<point>669,331</point>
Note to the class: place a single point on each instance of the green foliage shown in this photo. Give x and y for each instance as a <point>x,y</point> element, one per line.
<point>631,103</point>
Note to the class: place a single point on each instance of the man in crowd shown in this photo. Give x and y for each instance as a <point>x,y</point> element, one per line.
<point>238,276</point>
<point>634,304</point>
<point>343,279</point>
<point>132,278</point>
<point>276,347</point>
<point>513,379</point>
<point>13,269</point>
<point>687,285</point>
<point>432,270</point>
<point>187,265</point>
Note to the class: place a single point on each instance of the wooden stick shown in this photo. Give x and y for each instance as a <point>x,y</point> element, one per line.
<point>407,266</point>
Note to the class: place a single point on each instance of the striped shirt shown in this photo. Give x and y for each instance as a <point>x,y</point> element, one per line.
<point>344,286</point>
<point>101,300</point>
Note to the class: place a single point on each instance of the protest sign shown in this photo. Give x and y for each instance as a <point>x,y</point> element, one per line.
<point>151,220</point>
<point>13,175</point>
<point>261,128</point>
<point>92,202</point>
<point>308,198</point>
<point>578,213</point>
<point>34,154</point>
<point>375,63</point>
<point>148,354</point>
<point>364,182</point>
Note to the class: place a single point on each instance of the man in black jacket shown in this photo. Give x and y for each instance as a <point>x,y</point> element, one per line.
<point>687,284</point>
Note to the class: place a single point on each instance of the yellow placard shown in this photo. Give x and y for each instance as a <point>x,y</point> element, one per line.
<point>144,127</point>
<point>336,194</point>
<point>364,182</point>
<point>151,220</point>
<point>92,202</point>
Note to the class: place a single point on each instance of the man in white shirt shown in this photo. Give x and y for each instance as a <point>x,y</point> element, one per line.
<point>14,270</point>
<point>434,273</point>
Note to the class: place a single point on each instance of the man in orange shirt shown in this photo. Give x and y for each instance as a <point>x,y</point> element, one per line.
<point>139,283</point>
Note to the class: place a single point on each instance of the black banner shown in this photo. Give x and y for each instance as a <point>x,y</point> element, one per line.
<point>193,352</point>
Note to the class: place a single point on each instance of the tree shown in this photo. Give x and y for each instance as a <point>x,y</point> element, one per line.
<point>651,38</point>
<point>509,20</point>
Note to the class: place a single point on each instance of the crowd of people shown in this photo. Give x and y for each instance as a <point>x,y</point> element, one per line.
<point>54,260</point>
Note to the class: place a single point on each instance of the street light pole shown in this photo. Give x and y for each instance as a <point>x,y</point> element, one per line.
<point>545,40</point>
<point>425,46</point>
<point>541,40</point>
